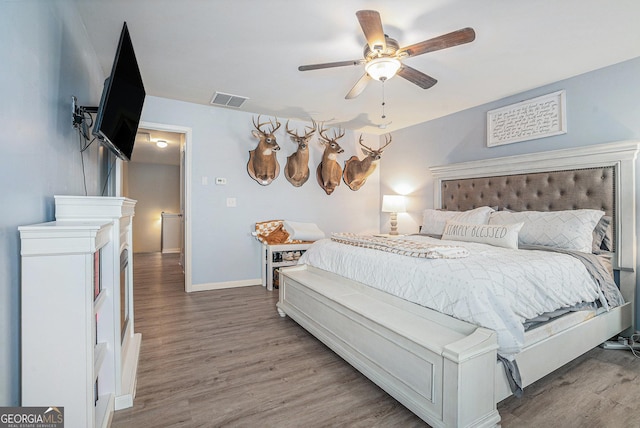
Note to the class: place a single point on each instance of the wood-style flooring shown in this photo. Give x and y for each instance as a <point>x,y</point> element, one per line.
<point>225,358</point>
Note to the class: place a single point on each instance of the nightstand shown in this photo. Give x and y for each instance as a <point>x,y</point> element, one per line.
<point>276,256</point>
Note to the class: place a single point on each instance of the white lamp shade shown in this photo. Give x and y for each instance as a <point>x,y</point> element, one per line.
<point>382,68</point>
<point>393,204</point>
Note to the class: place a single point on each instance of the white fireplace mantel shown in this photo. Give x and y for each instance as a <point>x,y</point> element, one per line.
<point>120,211</point>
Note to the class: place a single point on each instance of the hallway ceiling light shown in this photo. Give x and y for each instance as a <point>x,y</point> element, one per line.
<point>161,143</point>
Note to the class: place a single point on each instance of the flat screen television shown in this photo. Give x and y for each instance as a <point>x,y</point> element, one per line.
<point>120,107</point>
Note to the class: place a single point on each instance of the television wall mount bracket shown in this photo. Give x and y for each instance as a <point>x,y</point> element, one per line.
<point>77,112</point>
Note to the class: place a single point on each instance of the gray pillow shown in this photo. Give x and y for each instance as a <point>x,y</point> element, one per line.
<point>568,229</point>
<point>602,234</point>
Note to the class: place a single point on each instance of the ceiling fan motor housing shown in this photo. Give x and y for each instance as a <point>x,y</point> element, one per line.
<point>392,48</point>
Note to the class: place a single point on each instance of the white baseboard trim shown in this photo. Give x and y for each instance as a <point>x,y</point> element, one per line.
<point>226,284</point>
<point>130,359</point>
<point>170,250</point>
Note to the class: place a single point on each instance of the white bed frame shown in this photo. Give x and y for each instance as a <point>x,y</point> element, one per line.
<point>443,369</point>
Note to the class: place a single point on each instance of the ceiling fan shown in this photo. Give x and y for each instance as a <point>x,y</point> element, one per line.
<point>383,55</point>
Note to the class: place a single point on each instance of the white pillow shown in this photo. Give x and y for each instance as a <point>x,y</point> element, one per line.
<point>433,221</point>
<point>499,235</point>
<point>570,230</point>
<point>303,231</point>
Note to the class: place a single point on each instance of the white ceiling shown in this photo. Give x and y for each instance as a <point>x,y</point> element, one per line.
<point>189,49</point>
<point>145,149</point>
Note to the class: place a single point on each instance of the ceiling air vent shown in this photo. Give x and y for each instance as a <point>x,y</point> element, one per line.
<point>228,100</point>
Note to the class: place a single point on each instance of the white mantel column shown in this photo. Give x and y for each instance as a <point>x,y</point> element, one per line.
<point>120,211</point>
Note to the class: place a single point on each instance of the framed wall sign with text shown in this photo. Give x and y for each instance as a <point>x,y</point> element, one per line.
<point>527,120</point>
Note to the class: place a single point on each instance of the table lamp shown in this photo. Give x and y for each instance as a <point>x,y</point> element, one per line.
<point>393,204</point>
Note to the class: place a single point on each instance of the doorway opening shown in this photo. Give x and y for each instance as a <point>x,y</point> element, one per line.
<point>158,178</point>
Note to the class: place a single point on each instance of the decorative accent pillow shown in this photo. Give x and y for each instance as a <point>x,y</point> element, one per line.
<point>277,236</point>
<point>271,232</point>
<point>499,235</point>
<point>433,221</point>
<point>569,230</point>
<point>602,235</point>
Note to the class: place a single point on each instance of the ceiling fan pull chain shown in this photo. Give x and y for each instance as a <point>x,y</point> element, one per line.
<point>383,103</point>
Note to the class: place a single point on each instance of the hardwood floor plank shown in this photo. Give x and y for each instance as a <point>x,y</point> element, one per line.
<point>225,358</point>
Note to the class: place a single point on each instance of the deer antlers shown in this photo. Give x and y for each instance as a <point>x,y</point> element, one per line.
<point>386,143</point>
<point>258,126</point>
<point>322,131</point>
<point>307,134</point>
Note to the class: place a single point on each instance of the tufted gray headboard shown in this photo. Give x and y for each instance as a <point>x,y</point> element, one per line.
<point>542,191</point>
<point>598,177</point>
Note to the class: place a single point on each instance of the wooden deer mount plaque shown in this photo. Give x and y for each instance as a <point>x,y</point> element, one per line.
<point>297,168</point>
<point>263,164</point>
<point>329,172</point>
<point>356,171</point>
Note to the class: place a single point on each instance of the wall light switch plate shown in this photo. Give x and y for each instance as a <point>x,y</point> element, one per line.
<point>221,180</point>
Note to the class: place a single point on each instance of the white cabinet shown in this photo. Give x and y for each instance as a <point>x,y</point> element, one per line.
<point>79,349</point>
<point>276,256</point>
<point>67,347</point>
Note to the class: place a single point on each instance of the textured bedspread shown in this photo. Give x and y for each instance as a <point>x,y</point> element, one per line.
<point>405,247</point>
<point>493,287</point>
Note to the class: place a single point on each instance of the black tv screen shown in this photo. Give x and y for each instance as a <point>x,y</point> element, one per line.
<point>120,107</point>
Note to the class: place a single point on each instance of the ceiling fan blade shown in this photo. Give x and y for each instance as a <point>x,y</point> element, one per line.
<point>330,65</point>
<point>454,38</point>
<point>358,87</point>
<point>372,28</point>
<point>416,77</point>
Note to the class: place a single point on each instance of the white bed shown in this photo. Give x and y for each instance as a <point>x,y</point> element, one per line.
<point>466,287</point>
<point>443,369</point>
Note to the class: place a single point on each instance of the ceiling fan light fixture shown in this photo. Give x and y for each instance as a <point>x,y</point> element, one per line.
<point>382,68</point>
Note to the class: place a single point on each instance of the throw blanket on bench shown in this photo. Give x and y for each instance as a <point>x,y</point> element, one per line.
<point>401,246</point>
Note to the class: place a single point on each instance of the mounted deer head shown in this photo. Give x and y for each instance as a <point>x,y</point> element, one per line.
<point>297,168</point>
<point>263,165</point>
<point>329,170</point>
<point>356,171</point>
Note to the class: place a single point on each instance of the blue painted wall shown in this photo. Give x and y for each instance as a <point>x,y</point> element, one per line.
<point>602,106</point>
<point>46,58</point>
<point>223,249</point>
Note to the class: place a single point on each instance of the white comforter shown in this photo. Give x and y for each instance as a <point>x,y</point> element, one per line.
<point>494,287</point>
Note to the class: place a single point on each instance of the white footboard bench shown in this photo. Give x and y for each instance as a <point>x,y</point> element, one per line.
<point>440,368</point>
